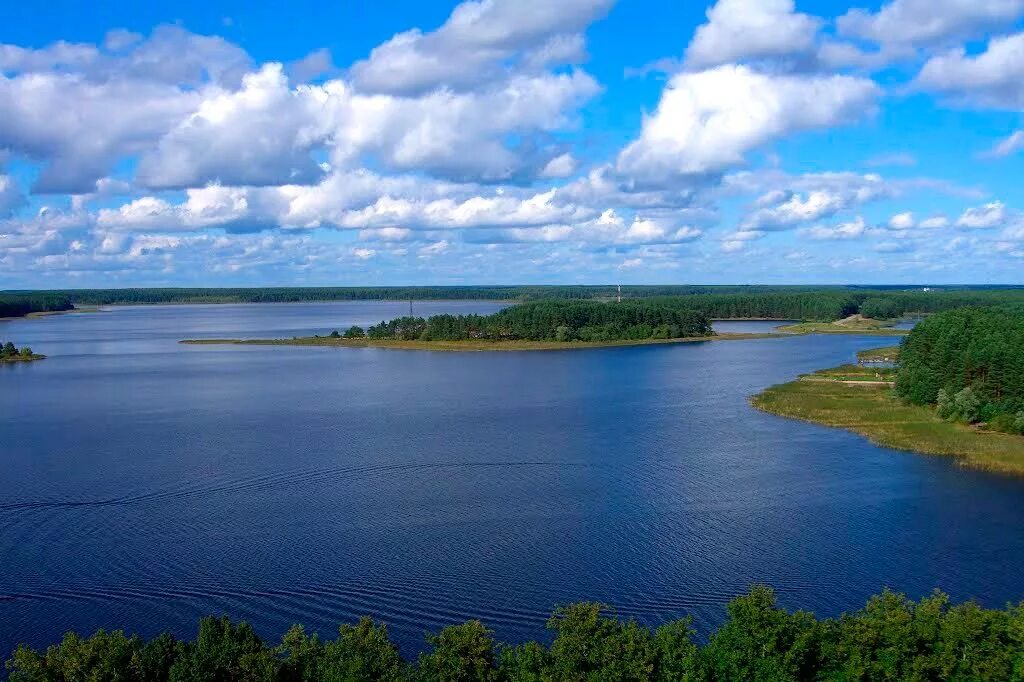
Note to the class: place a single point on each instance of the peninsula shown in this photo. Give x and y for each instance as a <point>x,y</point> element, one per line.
<point>957,390</point>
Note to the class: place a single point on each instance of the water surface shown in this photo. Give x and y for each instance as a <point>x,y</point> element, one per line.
<point>145,483</point>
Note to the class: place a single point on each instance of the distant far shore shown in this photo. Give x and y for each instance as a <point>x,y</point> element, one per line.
<point>470,345</point>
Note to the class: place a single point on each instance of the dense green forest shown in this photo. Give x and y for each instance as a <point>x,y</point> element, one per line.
<point>19,305</point>
<point>552,321</point>
<point>970,364</point>
<point>891,638</point>
<point>771,302</point>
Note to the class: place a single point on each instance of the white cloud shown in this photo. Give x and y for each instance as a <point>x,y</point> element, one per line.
<point>993,78</point>
<point>261,134</point>
<point>902,221</point>
<point>707,122</point>
<point>11,197</point>
<point>559,167</point>
<point>850,230</point>
<point>364,254</point>
<point>794,209</point>
<point>386,234</point>
<point>1007,146</point>
<point>435,249</point>
<point>480,42</point>
<point>934,223</point>
<point>739,30</point>
<point>990,215</point>
<point>921,22</point>
<point>80,129</point>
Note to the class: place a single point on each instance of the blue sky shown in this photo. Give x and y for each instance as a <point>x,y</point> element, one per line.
<point>511,141</point>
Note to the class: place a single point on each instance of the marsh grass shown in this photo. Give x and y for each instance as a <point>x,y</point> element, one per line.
<point>832,398</point>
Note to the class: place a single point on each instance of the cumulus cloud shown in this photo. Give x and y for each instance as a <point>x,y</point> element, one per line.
<point>922,22</point>
<point>480,41</point>
<point>261,134</point>
<point>993,78</point>
<point>849,230</point>
<point>707,122</point>
<point>80,144</point>
<point>740,30</point>
<point>902,221</point>
<point>990,215</point>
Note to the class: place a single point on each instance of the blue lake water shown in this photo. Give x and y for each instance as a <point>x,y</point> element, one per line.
<point>144,484</point>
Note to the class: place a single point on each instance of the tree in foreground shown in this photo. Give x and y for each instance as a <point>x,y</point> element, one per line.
<point>891,638</point>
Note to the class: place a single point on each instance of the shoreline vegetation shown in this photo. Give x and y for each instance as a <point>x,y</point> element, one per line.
<point>808,303</point>
<point>356,337</point>
<point>854,324</point>
<point>11,353</point>
<point>861,399</point>
<point>471,344</point>
<point>891,638</point>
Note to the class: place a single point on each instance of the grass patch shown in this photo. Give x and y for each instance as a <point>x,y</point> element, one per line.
<point>22,358</point>
<point>872,410</point>
<point>851,325</point>
<point>470,345</point>
<point>886,354</point>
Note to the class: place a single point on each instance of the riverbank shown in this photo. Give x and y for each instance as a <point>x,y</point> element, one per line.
<point>477,345</point>
<point>860,399</point>
<point>51,313</point>
<point>872,355</point>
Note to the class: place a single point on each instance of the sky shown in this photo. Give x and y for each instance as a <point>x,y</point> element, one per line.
<point>511,142</point>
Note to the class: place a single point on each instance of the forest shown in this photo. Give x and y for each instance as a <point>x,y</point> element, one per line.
<point>969,363</point>
<point>553,321</point>
<point>813,303</point>
<point>891,638</point>
<point>19,305</point>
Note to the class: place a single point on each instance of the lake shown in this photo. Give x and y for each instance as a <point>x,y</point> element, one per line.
<point>146,483</point>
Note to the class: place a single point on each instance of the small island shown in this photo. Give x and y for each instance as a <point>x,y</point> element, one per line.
<point>11,353</point>
<point>543,325</point>
<point>957,390</point>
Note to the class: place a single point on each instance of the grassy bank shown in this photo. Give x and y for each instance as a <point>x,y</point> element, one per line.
<point>855,324</point>
<point>861,400</point>
<point>886,354</point>
<point>471,345</point>
<point>22,358</point>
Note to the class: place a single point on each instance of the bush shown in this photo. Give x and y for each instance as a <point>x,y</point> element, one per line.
<point>354,332</point>
<point>966,405</point>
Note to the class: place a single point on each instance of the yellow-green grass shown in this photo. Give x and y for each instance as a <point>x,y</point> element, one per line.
<point>470,345</point>
<point>886,354</point>
<point>872,410</point>
<point>860,326</point>
<point>22,358</point>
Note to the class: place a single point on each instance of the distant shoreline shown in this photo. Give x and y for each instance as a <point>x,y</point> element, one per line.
<point>471,345</point>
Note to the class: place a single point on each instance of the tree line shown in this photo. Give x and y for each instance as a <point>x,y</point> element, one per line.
<point>891,638</point>
<point>969,363</point>
<point>550,321</point>
<point>19,305</point>
<point>770,302</point>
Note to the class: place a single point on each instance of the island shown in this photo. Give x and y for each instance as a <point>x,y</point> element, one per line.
<point>957,390</point>
<point>11,353</point>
